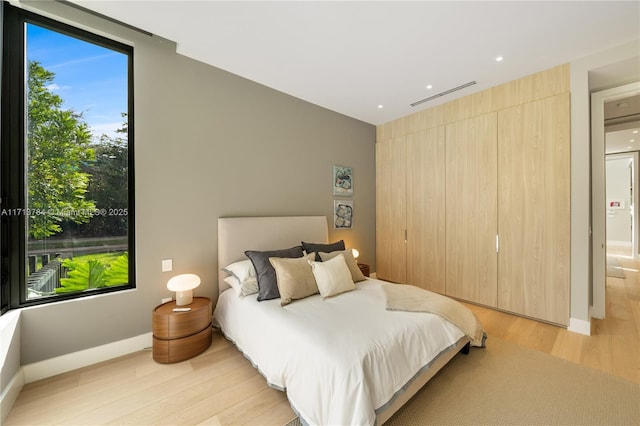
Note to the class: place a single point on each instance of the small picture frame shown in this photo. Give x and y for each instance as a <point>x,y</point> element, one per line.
<point>615,204</point>
<point>342,180</point>
<point>342,214</point>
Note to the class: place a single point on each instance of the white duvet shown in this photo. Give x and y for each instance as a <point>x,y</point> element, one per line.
<point>339,359</point>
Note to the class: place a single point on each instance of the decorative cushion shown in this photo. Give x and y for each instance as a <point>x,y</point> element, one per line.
<point>267,282</point>
<point>356,273</point>
<point>242,270</point>
<point>244,275</point>
<point>295,278</point>
<point>248,287</point>
<point>333,276</point>
<point>233,283</point>
<point>321,247</point>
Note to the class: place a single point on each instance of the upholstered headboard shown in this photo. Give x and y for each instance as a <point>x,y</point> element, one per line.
<point>237,234</point>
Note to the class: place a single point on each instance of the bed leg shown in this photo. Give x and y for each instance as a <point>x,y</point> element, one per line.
<point>465,349</point>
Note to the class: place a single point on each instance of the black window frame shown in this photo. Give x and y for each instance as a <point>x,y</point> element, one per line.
<point>12,153</point>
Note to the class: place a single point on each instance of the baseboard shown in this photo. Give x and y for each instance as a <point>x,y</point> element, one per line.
<point>596,313</point>
<point>10,394</point>
<point>62,364</point>
<point>579,326</point>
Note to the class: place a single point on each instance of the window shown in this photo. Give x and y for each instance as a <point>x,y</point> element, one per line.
<point>67,161</point>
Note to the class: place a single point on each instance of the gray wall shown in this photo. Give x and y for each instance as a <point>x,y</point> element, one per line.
<point>208,144</point>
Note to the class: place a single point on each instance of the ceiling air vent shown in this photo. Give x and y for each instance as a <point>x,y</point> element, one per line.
<point>446,92</point>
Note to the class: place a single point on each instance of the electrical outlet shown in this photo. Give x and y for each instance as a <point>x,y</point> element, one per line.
<point>167,265</point>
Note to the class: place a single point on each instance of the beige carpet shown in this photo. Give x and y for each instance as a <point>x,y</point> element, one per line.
<point>506,384</point>
<point>614,269</point>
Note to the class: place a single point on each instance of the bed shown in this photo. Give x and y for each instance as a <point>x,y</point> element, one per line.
<point>342,360</point>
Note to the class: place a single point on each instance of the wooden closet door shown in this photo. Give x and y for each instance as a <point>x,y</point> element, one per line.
<point>471,209</point>
<point>426,209</point>
<point>534,209</point>
<point>391,210</point>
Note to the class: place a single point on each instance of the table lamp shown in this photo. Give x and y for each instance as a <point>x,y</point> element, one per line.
<point>356,253</point>
<point>183,285</point>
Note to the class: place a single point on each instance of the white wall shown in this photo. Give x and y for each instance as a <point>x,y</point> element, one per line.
<point>618,190</point>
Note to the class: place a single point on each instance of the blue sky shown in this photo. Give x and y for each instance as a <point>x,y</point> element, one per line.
<point>91,79</point>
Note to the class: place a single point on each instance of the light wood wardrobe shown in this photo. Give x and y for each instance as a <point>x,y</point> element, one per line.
<point>472,197</point>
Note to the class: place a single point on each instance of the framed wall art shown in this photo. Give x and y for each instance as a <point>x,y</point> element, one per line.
<point>342,180</point>
<point>342,214</point>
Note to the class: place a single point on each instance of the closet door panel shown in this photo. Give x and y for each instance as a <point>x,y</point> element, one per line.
<point>426,209</point>
<point>471,209</point>
<point>534,209</point>
<point>391,210</point>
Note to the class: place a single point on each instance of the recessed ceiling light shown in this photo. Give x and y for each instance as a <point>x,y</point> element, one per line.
<point>380,106</point>
<point>499,59</point>
<point>634,132</point>
<point>629,147</point>
<point>632,140</point>
<point>431,87</point>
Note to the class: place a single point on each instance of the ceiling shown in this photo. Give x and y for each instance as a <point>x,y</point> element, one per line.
<point>626,140</point>
<point>622,125</point>
<point>371,60</point>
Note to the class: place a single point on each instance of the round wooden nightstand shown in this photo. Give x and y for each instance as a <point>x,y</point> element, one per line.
<point>364,268</point>
<point>178,336</point>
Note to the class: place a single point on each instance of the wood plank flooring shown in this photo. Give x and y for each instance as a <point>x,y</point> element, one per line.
<point>614,344</point>
<point>220,387</point>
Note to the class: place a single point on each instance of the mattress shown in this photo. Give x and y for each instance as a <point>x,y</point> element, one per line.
<point>341,360</point>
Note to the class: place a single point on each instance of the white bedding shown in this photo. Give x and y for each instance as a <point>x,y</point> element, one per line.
<point>339,359</point>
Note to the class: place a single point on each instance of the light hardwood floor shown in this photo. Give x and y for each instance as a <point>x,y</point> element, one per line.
<point>221,387</point>
<point>614,344</point>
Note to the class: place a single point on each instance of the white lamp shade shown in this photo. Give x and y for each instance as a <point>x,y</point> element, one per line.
<point>183,285</point>
<point>356,253</point>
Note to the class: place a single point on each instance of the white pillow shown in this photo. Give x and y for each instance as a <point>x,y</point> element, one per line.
<point>233,283</point>
<point>333,276</point>
<point>243,277</point>
<point>249,286</point>
<point>242,270</point>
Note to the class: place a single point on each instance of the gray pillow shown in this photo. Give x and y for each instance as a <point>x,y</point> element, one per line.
<point>321,247</point>
<point>267,281</point>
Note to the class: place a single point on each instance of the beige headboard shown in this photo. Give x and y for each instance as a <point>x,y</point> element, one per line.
<point>237,234</point>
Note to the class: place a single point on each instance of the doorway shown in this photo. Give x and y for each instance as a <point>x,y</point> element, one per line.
<point>620,175</point>
<point>612,110</point>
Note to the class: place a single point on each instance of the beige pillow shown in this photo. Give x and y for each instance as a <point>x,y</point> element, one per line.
<point>294,277</point>
<point>356,273</point>
<point>333,276</point>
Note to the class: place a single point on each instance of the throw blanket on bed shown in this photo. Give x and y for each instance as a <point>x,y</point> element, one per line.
<point>401,297</point>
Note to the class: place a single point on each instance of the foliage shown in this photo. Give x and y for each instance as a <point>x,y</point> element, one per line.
<point>118,274</point>
<point>108,187</point>
<point>58,143</point>
<point>92,273</point>
<point>82,276</point>
<point>107,258</point>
